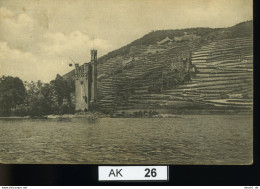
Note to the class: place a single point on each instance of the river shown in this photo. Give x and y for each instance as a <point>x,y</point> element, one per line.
<point>185,139</point>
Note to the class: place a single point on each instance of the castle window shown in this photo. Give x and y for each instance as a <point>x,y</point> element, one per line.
<point>81,82</point>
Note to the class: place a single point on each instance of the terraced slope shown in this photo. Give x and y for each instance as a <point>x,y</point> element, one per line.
<point>132,77</point>
<point>123,81</point>
<point>224,80</point>
<point>226,74</point>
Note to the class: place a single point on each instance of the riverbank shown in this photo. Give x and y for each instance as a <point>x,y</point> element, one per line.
<point>164,113</point>
<point>93,115</point>
<point>137,113</point>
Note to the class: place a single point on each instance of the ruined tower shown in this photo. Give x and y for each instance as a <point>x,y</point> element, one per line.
<point>86,83</point>
<point>186,60</point>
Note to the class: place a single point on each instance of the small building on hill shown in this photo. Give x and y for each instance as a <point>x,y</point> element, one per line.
<point>185,37</point>
<point>165,40</point>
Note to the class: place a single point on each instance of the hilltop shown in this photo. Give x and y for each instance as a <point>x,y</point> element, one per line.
<point>243,29</point>
<point>148,73</point>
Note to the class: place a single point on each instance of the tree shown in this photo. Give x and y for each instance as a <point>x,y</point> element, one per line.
<point>70,84</point>
<point>63,89</point>
<point>59,87</point>
<point>40,98</point>
<point>12,93</point>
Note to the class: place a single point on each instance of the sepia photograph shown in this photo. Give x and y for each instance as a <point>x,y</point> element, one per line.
<point>165,82</point>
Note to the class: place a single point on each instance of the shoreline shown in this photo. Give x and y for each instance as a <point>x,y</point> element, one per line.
<point>99,115</point>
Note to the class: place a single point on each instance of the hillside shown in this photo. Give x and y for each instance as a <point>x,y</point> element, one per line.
<point>148,73</point>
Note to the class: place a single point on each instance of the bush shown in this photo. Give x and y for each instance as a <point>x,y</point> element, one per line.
<point>20,111</point>
<point>38,107</point>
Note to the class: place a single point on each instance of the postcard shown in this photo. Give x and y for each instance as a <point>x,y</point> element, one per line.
<point>126,82</point>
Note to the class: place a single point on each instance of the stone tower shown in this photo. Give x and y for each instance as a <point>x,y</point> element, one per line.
<point>94,75</point>
<point>86,83</point>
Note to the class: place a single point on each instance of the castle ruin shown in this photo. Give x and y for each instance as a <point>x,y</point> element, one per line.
<point>186,60</point>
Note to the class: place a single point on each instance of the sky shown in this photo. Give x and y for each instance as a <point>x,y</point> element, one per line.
<point>40,38</point>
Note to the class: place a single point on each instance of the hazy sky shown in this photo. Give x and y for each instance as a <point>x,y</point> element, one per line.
<point>38,37</point>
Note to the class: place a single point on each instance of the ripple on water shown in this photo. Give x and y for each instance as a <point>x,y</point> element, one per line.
<point>189,139</point>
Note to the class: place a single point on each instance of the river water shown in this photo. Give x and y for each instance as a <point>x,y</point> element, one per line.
<point>187,139</point>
